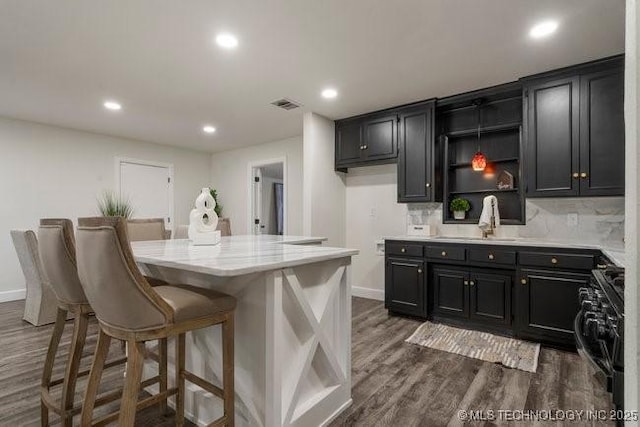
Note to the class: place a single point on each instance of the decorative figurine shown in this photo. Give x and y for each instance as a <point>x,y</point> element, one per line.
<point>203,220</point>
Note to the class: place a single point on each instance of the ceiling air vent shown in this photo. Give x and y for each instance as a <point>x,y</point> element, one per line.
<point>286,104</point>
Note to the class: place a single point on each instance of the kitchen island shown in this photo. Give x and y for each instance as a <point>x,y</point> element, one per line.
<point>292,325</point>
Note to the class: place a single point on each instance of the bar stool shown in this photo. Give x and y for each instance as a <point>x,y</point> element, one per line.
<point>128,308</point>
<point>58,255</point>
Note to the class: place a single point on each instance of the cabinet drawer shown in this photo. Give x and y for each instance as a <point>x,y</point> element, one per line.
<point>446,252</point>
<point>551,259</point>
<point>402,249</point>
<point>492,256</point>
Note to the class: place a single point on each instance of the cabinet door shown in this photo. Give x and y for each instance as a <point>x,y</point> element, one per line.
<point>416,155</point>
<point>490,298</point>
<point>380,138</point>
<point>552,137</point>
<point>602,133</point>
<point>548,304</point>
<point>405,286</point>
<point>348,142</point>
<point>450,292</point>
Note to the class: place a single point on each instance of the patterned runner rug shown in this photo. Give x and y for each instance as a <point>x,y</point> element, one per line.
<point>509,352</point>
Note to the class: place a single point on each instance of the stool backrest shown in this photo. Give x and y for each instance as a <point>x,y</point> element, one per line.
<point>146,229</point>
<point>57,248</point>
<point>119,294</point>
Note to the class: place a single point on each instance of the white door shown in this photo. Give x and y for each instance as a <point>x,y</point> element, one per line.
<point>149,188</point>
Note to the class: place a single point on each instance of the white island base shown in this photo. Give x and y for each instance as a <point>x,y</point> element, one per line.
<point>292,345</point>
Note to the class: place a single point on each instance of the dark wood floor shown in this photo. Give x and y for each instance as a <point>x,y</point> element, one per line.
<point>400,384</point>
<point>394,383</point>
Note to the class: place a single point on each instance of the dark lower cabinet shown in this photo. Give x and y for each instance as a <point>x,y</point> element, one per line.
<point>548,304</point>
<point>490,297</point>
<point>405,286</point>
<point>484,297</point>
<point>450,292</point>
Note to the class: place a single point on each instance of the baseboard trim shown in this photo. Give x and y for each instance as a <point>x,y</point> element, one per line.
<point>368,293</point>
<point>14,295</point>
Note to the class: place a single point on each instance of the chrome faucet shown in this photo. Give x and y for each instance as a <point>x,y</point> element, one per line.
<point>492,222</point>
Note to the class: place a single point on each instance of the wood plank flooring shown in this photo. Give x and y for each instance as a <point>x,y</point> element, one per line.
<point>400,384</point>
<point>394,383</point>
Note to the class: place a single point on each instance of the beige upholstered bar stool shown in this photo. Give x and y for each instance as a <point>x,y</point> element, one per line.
<point>58,255</point>
<point>128,308</point>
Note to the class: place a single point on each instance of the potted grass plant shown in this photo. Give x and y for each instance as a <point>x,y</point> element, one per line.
<point>459,207</point>
<point>111,205</point>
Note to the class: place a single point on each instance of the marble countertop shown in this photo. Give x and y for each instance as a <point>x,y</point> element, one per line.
<point>616,255</point>
<point>237,255</point>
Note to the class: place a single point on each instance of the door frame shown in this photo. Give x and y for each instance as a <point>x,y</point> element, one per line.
<point>118,161</point>
<point>250,196</point>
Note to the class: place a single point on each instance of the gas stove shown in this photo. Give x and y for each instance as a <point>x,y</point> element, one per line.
<point>599,327</point>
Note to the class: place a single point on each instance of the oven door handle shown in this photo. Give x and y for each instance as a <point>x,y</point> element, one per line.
<point>583,347</point>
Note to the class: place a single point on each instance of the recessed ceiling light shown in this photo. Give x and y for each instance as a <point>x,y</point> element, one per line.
<point>543,29</point>
<point>112,105</point>
<point>208,129</point>
<point>227,41</point>
<point>329,93</point>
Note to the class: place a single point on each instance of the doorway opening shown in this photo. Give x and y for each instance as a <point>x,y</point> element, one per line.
<point>268,197</point>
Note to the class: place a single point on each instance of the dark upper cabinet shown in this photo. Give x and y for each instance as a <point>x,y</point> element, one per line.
<point>574,131</point>
<point>548,304</point>
<point>348,141</point>
<point>602,132</point>
<point>450,292</point>
<point>405,286</point>
<point>418,158</point>
<point>552,137</point>
<point>371,139</point>
<point>380,137</point>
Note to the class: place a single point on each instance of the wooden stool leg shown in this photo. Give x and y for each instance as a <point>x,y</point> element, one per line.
<point>80,324</point>
<point>129,402</point>
<point>58,329</point>
<point>162,350</point>
<point>180,378</point>
<point>227,369</point>
<point>102,350</point>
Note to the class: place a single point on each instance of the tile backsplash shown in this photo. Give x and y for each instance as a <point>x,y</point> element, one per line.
<point>600,220</point>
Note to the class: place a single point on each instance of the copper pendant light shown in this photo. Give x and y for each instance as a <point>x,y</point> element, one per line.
<point>479,160</point>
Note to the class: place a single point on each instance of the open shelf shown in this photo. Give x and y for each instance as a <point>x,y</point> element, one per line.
<point>495,190</point>
<point>468,164</point>
<point>486,129</point>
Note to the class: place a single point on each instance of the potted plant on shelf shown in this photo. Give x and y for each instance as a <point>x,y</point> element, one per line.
<point>459,207</point>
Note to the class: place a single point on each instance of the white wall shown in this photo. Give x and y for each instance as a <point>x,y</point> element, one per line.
<point>49,171</point>
<point>229,175</point>
<point>632,206</point>
<point>324,189</point>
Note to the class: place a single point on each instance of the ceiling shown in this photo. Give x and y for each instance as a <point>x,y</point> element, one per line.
<point>61,59</point>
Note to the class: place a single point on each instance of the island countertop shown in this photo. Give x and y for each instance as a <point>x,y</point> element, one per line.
<point>237,255</point>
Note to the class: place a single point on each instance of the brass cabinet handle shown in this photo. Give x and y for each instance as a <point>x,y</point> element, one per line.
<point>491,256</point>
<point>419,271</point>
<point>472,283</point>
<point>583,175</point>
<point>575,175</point>
<point>466,282</point>
<point>364,147</point>
<point>523,281</point>
<point>554,260</point>
<point>403,250</point>
<point>443,253</point>
<point>601,266</point>
<point>428,185</point>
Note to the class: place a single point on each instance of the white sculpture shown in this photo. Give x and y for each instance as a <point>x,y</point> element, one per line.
<point>203,220</point>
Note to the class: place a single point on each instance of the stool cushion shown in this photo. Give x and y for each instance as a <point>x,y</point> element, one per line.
<point>192,302</point>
